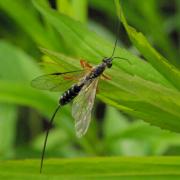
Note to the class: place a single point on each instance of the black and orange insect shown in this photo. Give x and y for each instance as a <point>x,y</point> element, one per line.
<point>82,92</point>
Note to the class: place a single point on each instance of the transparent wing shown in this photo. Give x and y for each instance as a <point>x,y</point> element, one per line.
<point>82,107</point>
<point>57,81</point>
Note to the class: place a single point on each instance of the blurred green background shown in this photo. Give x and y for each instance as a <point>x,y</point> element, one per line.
<point>24,111</point>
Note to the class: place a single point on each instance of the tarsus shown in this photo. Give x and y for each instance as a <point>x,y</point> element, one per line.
<point>46,137</point>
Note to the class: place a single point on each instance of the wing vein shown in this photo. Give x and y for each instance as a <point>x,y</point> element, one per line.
<point>82,107</point>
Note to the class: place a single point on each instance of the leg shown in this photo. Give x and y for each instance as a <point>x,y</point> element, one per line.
<point>106,77</point>
<point>85,65</point>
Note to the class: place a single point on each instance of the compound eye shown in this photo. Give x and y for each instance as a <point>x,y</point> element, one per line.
<point>104,59</point>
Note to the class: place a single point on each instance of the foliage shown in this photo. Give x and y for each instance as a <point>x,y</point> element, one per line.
<point>96,168</point>
<point>146,90</point>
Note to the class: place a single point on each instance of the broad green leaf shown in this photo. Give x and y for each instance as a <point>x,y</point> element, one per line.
<point>94,168</point>
<point>87,45</point>
<point>157,60</point>
<point>134,82</point>
<point>134,95</point>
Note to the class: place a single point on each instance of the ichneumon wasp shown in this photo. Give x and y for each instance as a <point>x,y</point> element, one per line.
<point>81,89</point>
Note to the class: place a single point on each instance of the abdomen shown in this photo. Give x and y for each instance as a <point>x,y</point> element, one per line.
<point>70,94</point>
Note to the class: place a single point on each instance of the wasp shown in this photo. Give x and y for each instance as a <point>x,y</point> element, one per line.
<point>82,92</point>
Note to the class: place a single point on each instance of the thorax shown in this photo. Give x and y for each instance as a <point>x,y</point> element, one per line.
<point>96,71</point>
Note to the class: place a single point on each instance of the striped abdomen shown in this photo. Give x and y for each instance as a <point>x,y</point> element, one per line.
<point>70,94</point>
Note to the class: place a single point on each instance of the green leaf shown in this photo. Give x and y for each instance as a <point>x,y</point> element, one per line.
<point>94,168</point>
<point>14,60</point>
<point>18,93</point>
<point>106,7</point>
<point>145,15</point>
<point>157,60</point>
<point>86,44</point>
<point>8,118</point>
<point>15,87</point>
<point>137,88</point>
<point>34,28</point>
<point>157,140</point>
<point>76,9</point>
<point>133,88</point>
<point>114,122</point>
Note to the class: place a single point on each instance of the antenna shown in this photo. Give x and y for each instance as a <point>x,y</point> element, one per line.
<point>123,59</point>
<point>115,43</point>
<point>46,137</point>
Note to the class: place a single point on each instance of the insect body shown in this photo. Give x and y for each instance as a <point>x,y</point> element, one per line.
<point>82,92</point>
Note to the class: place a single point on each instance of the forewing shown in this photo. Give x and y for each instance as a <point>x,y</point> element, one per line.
<point>57,81</point>
<point>82,107</point>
